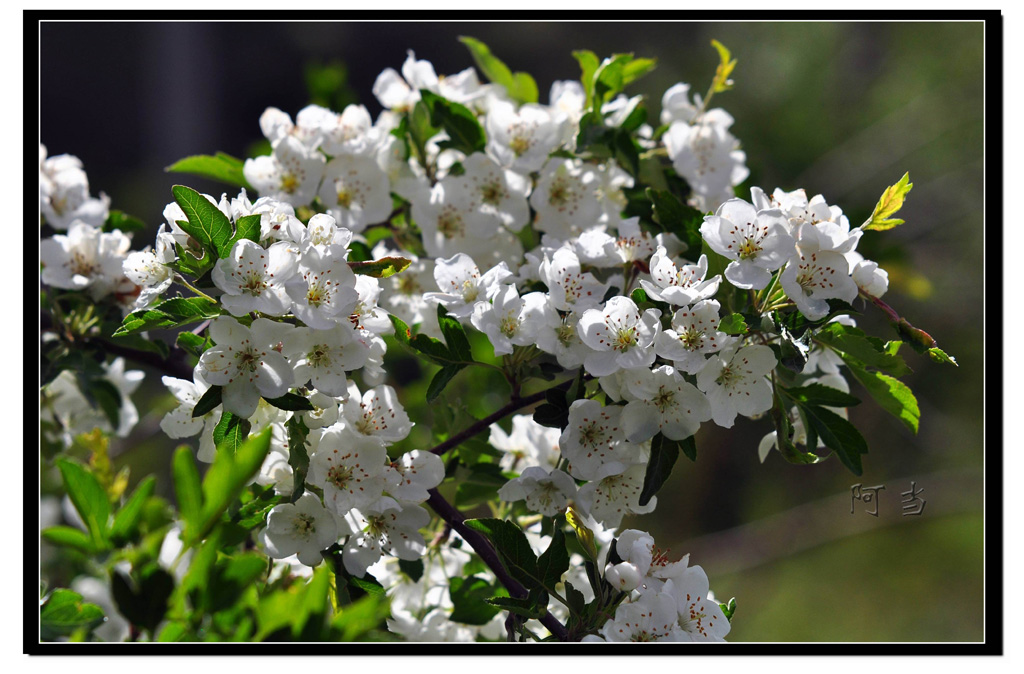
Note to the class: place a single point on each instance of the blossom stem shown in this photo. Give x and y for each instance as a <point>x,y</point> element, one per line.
<point>515,404</point>
<point>181,279</point>
<point>489,555</point>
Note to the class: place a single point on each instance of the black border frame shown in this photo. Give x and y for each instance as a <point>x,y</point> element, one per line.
<point>993,345</point>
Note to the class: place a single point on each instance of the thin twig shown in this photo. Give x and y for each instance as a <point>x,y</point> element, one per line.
<point>514,405</point>
<point>489,555</point>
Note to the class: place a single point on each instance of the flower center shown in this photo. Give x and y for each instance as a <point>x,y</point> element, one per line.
<point>560,192</point>
<point>519,144</point>
<point>339,476</point>
<point>491,193</point>
<point>664,398</point>
<point>253,283</point>
<point>247,360</point>
<point>728,377</point>
<point>592,435</point>
<point>509,325</point>
<point>289,183</point>
<point>566,334</point>
<point>319,356</point>
<point>624,339</point>
<point>304,525</point>
<point>344,196</point>
<point>82,266</point>
<point>469,291</point>
<point>450,224</point>
<point>749,249</point>
<point>691,338</point>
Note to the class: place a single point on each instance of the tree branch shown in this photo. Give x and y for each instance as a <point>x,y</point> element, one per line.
<point>514,405</point>
<point>489,555</point>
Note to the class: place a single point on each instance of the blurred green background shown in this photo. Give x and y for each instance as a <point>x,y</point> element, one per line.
<point>841,109</point>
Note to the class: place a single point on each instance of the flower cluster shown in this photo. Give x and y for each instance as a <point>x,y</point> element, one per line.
<point>469,210</point>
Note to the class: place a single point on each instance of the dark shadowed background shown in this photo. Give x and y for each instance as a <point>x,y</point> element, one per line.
<point>839,109</point>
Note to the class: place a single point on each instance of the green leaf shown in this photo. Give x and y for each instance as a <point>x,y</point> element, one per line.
<point>890,202</point>
<point>851,343</point>
<point>186,486</point>
<point>192,343</point>
<point>226,478</point>
<point>412,569</point>
<point>220,167</point>
<point>69,537</point>
<point>208,402</point>
<point>838,434</point>
<point>637,68</point>
<point>89,499</point>
<point>230,432</point>
<point>298,458</point>
<point>678,218</point>
<point>123,222</point>
<point>819,394</point>
<point>609,79</point>
<point>246,227</point>
<point>525,606</point>
<point>729,609</point>
<point>292,402</point>
<point>171,313</point>
<point>433,349</point>
<point>420,130</point>
<point>733,324</point>
<point>784,433</point>
<point>520,87</point>
<point>206,223</point>
<point>469,598</point>
<point>138,342</point>
<point>105,395</point>
<point>892,395</point>
<point>126,521</point>
<point>64,613</point>
<point>440,380</point>
<point>382,268</point>
<point>454,335</point>
<point>513,548</point>
<point>940,356</point>
<point>664,453</point>
<point>481,485</point>
<point>231,577</point>
<point>589,64</point>
<point>254,513</point>
<point>724,70</point>
<point>554,561</point>
<point>145,605</point>
<point>464,131</point>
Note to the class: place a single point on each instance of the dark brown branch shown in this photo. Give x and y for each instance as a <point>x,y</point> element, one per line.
<point>489,555</point>
<point>514,405</point>
<point>173,366</point>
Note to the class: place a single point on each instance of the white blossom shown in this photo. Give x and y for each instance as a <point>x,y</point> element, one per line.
<point>679,285</point>
<point>253,278</point>
<point>247,362</point>
<point>304,528</point>
<point>736,383</point>
<point>757,242</point>
<point>619,336</point>
<point>546,492</point>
